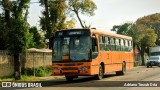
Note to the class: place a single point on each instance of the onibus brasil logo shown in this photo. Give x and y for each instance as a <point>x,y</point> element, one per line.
<point>20,84</point>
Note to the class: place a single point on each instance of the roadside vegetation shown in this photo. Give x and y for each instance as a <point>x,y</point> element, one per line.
<point>28,74</point>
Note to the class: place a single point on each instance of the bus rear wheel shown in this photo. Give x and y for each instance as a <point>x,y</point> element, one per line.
<point>123,69</point>
<point>69,78</point>
<point>101,73</point>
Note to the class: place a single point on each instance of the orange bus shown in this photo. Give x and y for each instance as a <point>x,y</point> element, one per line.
<point>83,52</point>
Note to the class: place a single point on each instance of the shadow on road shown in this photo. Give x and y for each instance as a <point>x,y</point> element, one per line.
<point>63,82</point>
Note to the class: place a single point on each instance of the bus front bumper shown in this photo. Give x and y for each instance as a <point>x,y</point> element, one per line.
<point>72,71</point>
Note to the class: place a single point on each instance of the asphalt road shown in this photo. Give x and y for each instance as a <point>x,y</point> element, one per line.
<point>140,78</point>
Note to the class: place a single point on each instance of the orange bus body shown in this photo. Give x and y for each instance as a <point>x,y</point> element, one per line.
<point>111,60</point>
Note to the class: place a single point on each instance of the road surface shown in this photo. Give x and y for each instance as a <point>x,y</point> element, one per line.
<point>140,78</point>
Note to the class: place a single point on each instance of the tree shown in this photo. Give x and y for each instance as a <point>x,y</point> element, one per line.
<point>84,7</point>
<point>70,24</point>
<point>151,21</point>
<point>35,38</point>
<point>143,37</point>
<point>3,34</point>
<point>16,27</point>
<point>53,18</point>
<point>4,23</point>
<point>122,29</point>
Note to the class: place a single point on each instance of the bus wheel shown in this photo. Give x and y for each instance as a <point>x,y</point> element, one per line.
<point>123,69</point>
<point>101,73</point>
<point>69,78</point>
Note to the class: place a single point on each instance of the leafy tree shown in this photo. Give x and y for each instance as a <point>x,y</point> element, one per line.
<point>122,29</point>
<point>4,23</point>
<point>16,26</point>
<point>3,42</point>
<point>53,17</point>
<point>35,40</point>
<point>84,7</point>
<point>30,41</point>
<point>70,24</point>
<point>143,37</point>
<point>152,21</point>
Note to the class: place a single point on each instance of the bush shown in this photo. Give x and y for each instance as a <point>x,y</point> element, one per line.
<point>38,71</point>
<point>136,64</point>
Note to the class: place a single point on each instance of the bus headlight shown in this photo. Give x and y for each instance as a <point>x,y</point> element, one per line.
<point>56,68</point>
<point>84,68</point>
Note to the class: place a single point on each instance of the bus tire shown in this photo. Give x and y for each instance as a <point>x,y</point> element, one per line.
<point>69,78</point>
<point>123,69</point>
<point>101,73</point>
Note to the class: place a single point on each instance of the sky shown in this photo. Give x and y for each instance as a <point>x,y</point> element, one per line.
<point>108,13</point>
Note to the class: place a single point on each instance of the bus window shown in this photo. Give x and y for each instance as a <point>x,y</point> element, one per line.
<point>102,43</point>
<point>126,45</point>
<point>112,44</point>
<point>79,48</point>
<point>105,43</point>
<point>57,48</point>
<point>117,45</point>
<point>130,45</point>
<point>122,45</point>
<point>108,47</point>
<point>94,47</point>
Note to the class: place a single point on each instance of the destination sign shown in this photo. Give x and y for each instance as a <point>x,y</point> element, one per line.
<point>66,33</point>
<point>75,33</point>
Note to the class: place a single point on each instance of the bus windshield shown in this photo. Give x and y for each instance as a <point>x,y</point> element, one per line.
<point>76,48</point>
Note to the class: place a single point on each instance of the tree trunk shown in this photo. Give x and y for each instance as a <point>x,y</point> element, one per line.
<point>17,68</point>
<point>7,12</point>
<point>142,57</point>
<point>147,51</point>
<point>76,12</point>
<point>141,49</point>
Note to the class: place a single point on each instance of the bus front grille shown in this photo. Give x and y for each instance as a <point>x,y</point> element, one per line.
<point>71,68</point>
<point>69,64</point>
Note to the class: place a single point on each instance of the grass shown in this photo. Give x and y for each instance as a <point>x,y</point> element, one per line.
<point>40,72</point>
<point>23,78</point>
<point>8,78</point>
<point>28,74</point>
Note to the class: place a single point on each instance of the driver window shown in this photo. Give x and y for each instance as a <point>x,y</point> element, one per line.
<point>65,46</point>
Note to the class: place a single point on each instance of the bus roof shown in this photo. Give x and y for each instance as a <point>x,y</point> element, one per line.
<point>98,31</point>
